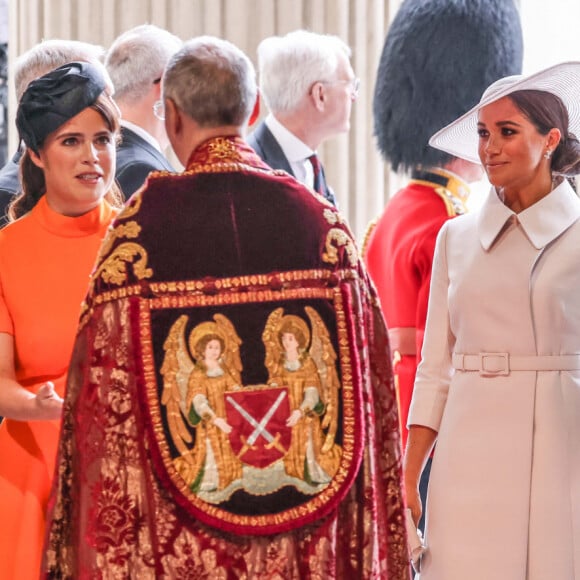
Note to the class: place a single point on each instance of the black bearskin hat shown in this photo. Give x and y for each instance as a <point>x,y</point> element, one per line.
<point>438,58</point>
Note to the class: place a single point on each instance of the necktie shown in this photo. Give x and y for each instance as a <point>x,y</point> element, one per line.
<point>317,170</point>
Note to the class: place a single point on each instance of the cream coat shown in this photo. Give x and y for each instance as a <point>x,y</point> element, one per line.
<point>504,496</point>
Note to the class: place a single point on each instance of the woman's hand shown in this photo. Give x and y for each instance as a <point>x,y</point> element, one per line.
<point>23,404</point>
<point>295,416</point>
<point>48,403</point>
<point>223,425</point>
<point>414,500</point>
<point>419,444</point>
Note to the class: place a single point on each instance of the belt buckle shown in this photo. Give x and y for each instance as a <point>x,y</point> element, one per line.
<point>504,359</point>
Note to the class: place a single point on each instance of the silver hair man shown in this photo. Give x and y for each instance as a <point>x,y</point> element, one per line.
<point>137,58</point>
<point>309,86</point>
<point>48,55</point>
<point>136,61</point>
<point>289,66</point>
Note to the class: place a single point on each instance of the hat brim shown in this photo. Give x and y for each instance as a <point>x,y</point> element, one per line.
<point>460,137</point>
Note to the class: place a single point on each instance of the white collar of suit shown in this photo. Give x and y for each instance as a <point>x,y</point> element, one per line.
<point>295,151</point>
<point>142,133</point>
<point>542,222</point>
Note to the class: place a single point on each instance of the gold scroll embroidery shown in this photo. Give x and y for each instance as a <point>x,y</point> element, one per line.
<point>129,230</point>
<point>113,269</point>
<point>336,239</point>
<point>132,207</point>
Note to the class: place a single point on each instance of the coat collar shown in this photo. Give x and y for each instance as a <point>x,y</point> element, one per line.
<point>542,222</point>
<point>224,154</point>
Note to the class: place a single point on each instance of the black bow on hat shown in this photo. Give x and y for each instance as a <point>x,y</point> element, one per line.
<point>53,99</point>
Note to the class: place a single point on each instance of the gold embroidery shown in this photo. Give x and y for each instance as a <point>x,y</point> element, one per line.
<point>113,270</point>
<point>349,416</point>
<point>120,540</point>
<point>285,280</point>
<point>335,239</point>
<point>454,193</point>
<point>222,167</point>
<point>320,197</point>
<point>227,299</point>
<point>367,236</point>
<point>223,154</point>
<point>453,204</point>
<point>193,393</point>
<point>223,149</point>
<point>187,559</point>
<point>196,393</point>
<point>132,207</point>
<point>129,230</point>
<point>305,362</point>
<point>291,282</point>
<point>333,217</point>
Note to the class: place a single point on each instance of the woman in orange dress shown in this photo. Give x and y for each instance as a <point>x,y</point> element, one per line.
<point>69,126</point>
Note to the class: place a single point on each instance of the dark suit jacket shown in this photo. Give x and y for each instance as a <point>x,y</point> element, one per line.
<point>9,185</point>
<point>136,158</point>
<point>263,142</point>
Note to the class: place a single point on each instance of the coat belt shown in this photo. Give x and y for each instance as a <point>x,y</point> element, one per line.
<point>502,363</point>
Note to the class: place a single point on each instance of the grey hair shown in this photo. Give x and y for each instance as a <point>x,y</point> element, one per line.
<point>137,58</point>
<point>48,55</point>
<point>212,81</point>
<point>289,65</point>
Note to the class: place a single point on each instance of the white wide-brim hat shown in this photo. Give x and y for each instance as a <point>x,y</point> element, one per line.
<point>460,137</point>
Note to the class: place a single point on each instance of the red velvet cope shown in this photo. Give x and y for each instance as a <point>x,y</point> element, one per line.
<point>148,483</point>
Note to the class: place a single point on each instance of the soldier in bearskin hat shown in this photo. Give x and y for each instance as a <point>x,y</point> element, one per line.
<point>438,57</point>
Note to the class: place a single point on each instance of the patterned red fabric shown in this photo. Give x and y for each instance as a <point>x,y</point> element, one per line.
<point>233,251</point>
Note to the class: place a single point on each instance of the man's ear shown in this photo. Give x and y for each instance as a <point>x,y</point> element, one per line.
<point>318,95</point>
<point>256,112</point>
<point>173,121</point>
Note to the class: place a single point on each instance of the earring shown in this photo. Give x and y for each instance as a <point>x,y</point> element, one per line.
<point>548,154</point>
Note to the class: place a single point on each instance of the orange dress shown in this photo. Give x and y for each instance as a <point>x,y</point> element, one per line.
<point>45,262</point>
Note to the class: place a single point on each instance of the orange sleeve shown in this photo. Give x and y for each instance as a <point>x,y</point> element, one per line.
<point>6,324</point>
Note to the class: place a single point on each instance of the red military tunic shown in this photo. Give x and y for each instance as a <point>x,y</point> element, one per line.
<point>399,256</point>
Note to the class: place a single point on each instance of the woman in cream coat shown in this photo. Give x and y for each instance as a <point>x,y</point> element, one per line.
<point>499,385</point>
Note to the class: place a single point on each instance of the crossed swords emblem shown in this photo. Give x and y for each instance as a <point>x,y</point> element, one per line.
<point>259,426</point>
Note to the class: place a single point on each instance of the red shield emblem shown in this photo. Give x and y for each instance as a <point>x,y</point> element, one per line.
<point>258,416</point>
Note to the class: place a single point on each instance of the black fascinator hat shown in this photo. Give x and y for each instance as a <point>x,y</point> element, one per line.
<point>53,99</point>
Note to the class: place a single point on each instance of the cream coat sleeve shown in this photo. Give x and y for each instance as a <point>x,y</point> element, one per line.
<point>435,371</point>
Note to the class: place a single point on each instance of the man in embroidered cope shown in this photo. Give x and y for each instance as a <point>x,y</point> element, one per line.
<point>229,395</point>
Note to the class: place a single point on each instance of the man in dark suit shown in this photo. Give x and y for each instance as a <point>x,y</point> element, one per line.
<point>136,158</point>
<point>40,59</point>
<point>135,61</point>
<point>308,85</point>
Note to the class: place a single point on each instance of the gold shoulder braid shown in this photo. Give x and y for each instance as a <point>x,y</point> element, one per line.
<point>451,189</point>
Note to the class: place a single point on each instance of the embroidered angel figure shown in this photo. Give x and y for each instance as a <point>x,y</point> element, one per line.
<point>305,362</point>
<point>193,392</point>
